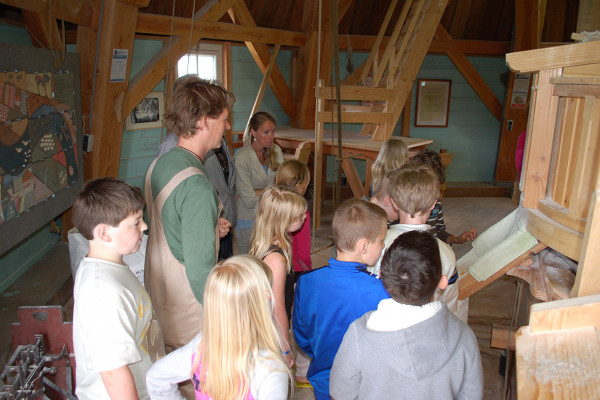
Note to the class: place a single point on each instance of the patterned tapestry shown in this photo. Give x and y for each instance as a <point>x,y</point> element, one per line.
<point>38,139</point>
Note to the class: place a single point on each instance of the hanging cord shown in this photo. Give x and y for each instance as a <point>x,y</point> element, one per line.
<point>59,55</point>
<point>191,33</point>
<point>58,58</point>
<point>513,322</point>
<point>349,65</point>
<point>163,130</point>
<point>333,11</point>
<point>315,172</point>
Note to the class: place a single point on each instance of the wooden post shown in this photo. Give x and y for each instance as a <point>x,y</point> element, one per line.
<point>318,167</point>
<point>116,32</point>
<point>406,117</point>
<point>527,31</point>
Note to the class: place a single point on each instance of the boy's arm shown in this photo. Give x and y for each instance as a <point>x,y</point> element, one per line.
<point>300,335</point>
<point>464,237</point>
<point>199,215</point>
<point>119,383</point>
<point>345,379</point>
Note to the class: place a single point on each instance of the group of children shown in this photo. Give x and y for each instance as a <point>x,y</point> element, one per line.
<point>371,324</point>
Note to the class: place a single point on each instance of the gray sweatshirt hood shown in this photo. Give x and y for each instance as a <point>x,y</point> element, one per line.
<point>431,339</point>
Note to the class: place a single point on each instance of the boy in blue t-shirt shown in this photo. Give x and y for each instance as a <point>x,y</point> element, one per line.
<point>328,299</point>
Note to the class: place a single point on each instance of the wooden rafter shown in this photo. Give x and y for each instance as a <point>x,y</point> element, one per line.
<point>472,76</point>
<point>155,70</point>
<point>79,12</point>
<point>161,25</point>
<point>263,84</point>
<point>260,52</point>
<point>43,34</point>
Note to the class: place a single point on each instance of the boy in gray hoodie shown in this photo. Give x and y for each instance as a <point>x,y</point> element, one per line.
<point>410,347</point>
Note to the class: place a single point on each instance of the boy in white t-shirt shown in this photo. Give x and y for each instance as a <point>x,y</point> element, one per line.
<point>112,311</point>
<point>414,190</point>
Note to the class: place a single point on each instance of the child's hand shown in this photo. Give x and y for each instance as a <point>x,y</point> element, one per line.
<point>289,359</point>
<point>467,236</point>
<point>224,226</point>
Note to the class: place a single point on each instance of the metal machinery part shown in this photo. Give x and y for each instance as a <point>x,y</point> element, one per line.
<point>24,377</point>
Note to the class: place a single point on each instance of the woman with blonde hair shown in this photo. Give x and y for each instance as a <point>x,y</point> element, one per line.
<point>279,213</point>
<point>255,166</point>
<point>238,353</point>
<point>393,154</point>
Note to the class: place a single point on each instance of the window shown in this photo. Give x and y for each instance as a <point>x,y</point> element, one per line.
<point>205,60</point>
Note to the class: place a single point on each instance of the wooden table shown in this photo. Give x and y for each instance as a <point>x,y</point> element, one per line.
<point>353,146</point>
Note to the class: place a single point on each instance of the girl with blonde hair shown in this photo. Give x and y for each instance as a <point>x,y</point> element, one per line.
<point>279,213</point>
<point>393,154</point>
<point>238,354</point>
<point>255,166</point>
<point>294,175</point>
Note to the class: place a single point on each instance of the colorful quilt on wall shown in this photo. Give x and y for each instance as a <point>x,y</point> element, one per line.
<point>38,140</point>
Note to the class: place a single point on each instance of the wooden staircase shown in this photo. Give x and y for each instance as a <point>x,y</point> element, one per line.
<point>387,76</point>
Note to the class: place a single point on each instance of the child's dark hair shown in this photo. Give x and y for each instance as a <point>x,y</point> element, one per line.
<point>411,268</point>
<point>432,159</point>
<point>105,201</point>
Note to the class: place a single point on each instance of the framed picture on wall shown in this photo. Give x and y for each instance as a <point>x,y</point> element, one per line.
<point>433,102</point>
<point>148,114</point>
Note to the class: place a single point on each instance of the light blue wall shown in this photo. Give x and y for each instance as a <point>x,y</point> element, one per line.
<point>245,82</point>
<point>14,35</point>
<point>473,134</point>
<point>139,147</point>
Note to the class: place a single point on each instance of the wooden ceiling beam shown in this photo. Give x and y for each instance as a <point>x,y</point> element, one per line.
<point>470,47</point>
<point>155,70</point>
<point>343,6</point>
<point>260,52</point>
<point>468,71</point>
<point>136,3</point>
<point>79,12</point>
<point>161,25</point>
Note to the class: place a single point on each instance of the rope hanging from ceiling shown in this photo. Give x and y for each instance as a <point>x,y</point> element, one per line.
<point>187,69</point>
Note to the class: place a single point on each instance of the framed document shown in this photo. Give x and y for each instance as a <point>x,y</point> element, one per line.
<point>148,114</point>
<point>433,102</point>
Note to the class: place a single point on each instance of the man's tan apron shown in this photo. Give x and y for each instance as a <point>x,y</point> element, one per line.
<point>177,310</point>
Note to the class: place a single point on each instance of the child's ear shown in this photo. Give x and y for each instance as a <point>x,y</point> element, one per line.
<point>388,202</point>
<point>443,283</point>
<point>394,205</point>
<point>433,205</point>
<point>361,246</point>
<point>103,232</point>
